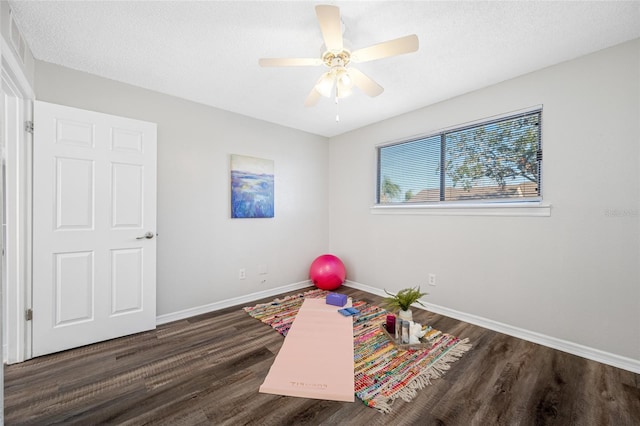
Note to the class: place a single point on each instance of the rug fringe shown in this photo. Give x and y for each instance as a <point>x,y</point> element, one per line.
<point>383,407</point>
<point>435,371</point>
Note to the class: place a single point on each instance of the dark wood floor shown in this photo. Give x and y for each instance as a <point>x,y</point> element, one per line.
<point>207,370</point>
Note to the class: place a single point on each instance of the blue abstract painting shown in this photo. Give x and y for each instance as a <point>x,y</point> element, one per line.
<point>251,187</point>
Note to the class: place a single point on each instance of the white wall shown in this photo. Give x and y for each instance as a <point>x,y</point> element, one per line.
<point>573,276</point>
<point>200,249</point>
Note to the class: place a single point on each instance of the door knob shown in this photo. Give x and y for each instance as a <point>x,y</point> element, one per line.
<point>148,236</point>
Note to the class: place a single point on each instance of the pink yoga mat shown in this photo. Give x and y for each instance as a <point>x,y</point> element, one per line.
<point>316,358</point>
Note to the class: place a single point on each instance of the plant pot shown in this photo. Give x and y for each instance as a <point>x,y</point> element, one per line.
<point>405,315</point>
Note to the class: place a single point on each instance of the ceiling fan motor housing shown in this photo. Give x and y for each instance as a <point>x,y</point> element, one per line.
<point>340,59</point>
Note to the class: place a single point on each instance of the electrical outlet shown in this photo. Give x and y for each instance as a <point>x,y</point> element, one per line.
<point>432,279</point>
<point>242,274</point>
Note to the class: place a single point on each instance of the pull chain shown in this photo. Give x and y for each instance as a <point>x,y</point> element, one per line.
<point>337,106</point>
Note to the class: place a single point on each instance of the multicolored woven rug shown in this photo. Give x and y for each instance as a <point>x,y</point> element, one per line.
<point>382,372</point>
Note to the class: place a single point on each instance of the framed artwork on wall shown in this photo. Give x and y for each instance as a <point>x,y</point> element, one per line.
<point>251,187</point>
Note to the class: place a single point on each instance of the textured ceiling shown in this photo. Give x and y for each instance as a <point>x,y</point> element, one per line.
<point>208,51</point>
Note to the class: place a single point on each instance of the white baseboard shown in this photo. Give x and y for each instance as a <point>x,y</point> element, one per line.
<point>216,306</point>
<point>598,355</point>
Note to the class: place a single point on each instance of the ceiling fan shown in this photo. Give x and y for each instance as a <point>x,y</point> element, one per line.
<point>341,77</point>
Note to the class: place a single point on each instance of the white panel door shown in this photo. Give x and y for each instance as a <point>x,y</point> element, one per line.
<point>94,224</point>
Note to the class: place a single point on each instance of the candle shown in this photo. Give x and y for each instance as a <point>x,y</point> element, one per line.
<point>391,324</point>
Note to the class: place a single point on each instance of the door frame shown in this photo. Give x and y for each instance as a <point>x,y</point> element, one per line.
<point>16,290</point>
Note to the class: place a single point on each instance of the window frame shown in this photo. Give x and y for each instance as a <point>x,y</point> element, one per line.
<point>529,206</point>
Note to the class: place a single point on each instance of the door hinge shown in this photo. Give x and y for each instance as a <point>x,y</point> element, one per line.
<point>28,314</point>
<point>28,126</point>
<point>539,155</point>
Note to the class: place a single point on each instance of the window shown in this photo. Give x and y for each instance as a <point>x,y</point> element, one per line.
<point>496,160</point>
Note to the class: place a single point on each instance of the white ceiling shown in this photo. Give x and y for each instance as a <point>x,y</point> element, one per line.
<point>208,51</point>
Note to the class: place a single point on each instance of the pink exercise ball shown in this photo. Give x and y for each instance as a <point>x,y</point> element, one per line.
<point>327,272</point>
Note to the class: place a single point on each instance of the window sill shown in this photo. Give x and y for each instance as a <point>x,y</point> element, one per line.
<point>531,209</point>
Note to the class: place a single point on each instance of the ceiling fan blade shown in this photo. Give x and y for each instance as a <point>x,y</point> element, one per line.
<point>398,46</point>
<point>313,98</point>
<point>289,62</point>
<point>331,27</point>
<point>364,83</point>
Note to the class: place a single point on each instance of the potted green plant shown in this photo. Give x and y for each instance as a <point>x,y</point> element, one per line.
<point>402,301</point>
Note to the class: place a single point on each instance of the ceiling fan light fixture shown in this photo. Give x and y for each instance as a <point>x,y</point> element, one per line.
<point>324,86</point>
<point>344,83</point>
<point>343,78</point>
<point>343,92</point>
